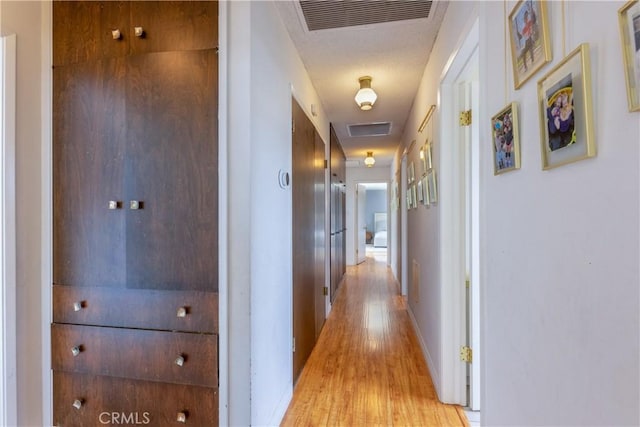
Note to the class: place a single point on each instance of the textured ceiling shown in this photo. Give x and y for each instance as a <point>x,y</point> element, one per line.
<point>394,54</point>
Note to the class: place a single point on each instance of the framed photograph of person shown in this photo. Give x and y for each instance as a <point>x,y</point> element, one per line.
<point>529,37</point>
<point>506,140</point>
<point>629,19</point>
<point>566,111</point>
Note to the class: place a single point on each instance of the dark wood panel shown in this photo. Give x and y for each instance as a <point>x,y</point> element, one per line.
<point>132,402</point>
<point>192,25</point>
<point>319,233</point>
<point>136,308</point>
<point>82,30</point>
<point>303,179</point>
<point>136,353</point>
<point>172,168</point>
<point>88,158</point>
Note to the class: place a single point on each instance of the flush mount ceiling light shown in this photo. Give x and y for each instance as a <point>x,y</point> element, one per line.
<point>366,97</point>
<point>369,160</point>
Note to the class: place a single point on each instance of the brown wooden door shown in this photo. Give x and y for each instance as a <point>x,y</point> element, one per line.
<point>171,169</point>
<point>320,240</point>
<point>302,183</point>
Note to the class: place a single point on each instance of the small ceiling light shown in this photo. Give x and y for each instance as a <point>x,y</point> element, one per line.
<point>366,97</point>
<point>369,160</point>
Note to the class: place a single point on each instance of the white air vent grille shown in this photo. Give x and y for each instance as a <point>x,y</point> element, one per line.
<point>322,15</point>
<point>352,163</point>
<point>370,129</point>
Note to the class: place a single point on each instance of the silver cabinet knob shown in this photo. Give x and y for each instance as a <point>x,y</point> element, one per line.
<point>114,204</point>
<point>77,403</point>
<point>75,350</point>
<point>77,306</point>
<point>138,31</point>
<point>116,34</point>
<point>179,360</point>
<point>135,204</point>
<point>182,312</point>
<point>181,417</point>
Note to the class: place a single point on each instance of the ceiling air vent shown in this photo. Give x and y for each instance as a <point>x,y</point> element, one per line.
<point>370,129</point>
<point>322,15</point>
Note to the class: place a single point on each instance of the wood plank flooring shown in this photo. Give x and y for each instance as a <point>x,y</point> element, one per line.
<point>367,368</point>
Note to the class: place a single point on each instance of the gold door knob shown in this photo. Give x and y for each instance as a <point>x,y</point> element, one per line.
<point>116,34</point>
<point>138,31</point>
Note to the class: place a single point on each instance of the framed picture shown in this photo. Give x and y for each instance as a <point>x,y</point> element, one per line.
<point>566,116</point>
<point>414,196</point>
<point>432,185</point>
<point>425,189</point>
<point>423,157</point>
<point>506,141</point>
<point>409,200</point>
<point>411,173</point>
<point>629,19</point>
<point>420,192</point>
<point>529,37</point>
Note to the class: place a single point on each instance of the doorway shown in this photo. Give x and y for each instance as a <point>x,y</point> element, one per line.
<point>373,234</point>
<point>460,226</point>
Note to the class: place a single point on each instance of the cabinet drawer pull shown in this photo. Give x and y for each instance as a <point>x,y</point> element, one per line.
<point>138,31</point>
<point>77,306</point>
<point>77,403</point>
<point>116,34</point>
<point>182,312</point>
<point>76,350</point>
<point>179,360</point>
<point>182,417</point>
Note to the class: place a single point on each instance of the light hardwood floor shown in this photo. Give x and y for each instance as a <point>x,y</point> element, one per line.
<point>367,368</point>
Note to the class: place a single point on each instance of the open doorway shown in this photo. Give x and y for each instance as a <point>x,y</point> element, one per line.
<point>372,206</point>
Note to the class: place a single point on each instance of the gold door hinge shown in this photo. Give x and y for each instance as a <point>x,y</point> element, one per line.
<point>325,291</point>
<point>466,354</point>
<point>465,118</point>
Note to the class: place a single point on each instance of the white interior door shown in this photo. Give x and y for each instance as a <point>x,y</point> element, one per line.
<point>361,205</point>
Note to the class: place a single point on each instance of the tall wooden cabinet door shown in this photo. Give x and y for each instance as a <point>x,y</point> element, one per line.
<point>88,33</point>
<point>174,26</point>
<point>171,171</point>
<point>88,151</point>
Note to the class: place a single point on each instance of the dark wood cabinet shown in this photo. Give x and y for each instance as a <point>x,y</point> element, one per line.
<point>338,174</point>
<point>135,202</point>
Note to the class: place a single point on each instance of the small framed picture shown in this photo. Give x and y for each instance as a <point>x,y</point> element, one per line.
<point>425,189</point>
<point>432,185</point>
<point>411,173</point>
<point>506,141</point>
<point>566,112</point>
<point>420,192</point>
<point>414,196</point>
<point>629,19</point>
<point>529,37</point>
<point>409,199</point>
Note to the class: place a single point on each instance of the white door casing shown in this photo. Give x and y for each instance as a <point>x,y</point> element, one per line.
<point>361,226</point>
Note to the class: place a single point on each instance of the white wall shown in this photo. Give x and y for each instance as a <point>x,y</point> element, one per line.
<point>561,299</point>
<point>357,175</point>
<point>560,296</point>
<point>423,235</point>
<point>24,19</point>
<point>275,74</point>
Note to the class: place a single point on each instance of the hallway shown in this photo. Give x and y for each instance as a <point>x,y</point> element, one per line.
<point>367,367</point>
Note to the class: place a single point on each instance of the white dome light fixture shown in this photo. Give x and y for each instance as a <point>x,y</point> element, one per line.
<point>369,160</point>
<point>366,97</point>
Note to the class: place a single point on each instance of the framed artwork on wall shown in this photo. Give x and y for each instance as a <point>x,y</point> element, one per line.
<point>566,111</point>
<point>432,185</point>
<point>506,141</point>
<point>529,39</point>
<point>420,192</point>
<point>425,188</point>
<point>629,20</point>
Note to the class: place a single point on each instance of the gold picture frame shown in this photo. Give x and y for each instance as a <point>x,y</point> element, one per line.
<point>529,39</point>
<point>506,140</point>
<point>629,20</point>
<point>424,122</point>
<point>566,111</point>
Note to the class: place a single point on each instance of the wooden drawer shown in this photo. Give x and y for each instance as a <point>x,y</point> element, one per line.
<point>137,354</point>
<point>136,308</point>
<point>119,401</point>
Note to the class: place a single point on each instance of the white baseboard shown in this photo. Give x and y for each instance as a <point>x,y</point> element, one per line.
<point>281,408</point>
<point>435,376</point>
